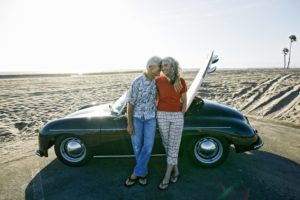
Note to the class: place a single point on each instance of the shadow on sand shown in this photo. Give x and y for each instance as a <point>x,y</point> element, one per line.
<point>254,175</point>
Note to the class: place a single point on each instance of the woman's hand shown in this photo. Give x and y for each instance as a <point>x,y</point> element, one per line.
<point>177,85</point>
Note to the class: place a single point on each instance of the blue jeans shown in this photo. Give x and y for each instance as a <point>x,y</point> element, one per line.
<point>142,142</point>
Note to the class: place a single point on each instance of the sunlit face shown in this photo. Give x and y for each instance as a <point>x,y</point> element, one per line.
<point>154,69</point>
<point>166,67</point>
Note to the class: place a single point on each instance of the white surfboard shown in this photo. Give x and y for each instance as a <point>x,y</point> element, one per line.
<point>192,91</point>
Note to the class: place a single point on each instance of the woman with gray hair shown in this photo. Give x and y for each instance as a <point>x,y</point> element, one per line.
<point>170,116</point>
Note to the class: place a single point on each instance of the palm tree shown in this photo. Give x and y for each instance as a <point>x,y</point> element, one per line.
<point>285,52</point>
<point>292,39</point>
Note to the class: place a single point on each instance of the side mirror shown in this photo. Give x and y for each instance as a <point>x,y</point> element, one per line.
<point>215,59</point>
<point>211,69</point>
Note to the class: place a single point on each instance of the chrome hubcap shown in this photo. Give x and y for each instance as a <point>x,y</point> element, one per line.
<point>73,149</point>
<point>208,150</point>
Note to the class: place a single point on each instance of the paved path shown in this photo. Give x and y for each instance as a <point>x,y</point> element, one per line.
<point>273,172</point>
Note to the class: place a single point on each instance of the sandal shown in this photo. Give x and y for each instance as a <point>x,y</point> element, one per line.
<point>130,181</point>
<point>143,180</point>
<point>175,178</point>
<point>163,186</point>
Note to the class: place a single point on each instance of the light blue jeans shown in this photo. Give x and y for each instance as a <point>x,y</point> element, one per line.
<point>142,142</point>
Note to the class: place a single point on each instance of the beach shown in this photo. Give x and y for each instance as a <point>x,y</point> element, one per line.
<point>27,102</point>
<point>268,97</point>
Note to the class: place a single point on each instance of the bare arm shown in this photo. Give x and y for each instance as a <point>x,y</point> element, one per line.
<point>156,98</point>
<point>130,127</point>
<point>183,100</point>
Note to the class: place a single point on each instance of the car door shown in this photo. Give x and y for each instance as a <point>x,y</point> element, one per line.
<point>113,137</point>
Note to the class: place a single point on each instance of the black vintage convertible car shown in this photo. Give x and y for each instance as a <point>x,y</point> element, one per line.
<point>101,130</point>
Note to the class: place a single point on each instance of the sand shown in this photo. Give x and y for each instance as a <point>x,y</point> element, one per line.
<point>268,96</point>
<point>265,94</point>
<point>28,102</point>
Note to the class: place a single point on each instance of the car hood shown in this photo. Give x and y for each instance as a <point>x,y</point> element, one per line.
<point>211,108</point>
<point>95,111</point>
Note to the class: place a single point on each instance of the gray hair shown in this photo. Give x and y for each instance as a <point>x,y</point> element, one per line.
<point>175,70</point>
<point>155,60</point>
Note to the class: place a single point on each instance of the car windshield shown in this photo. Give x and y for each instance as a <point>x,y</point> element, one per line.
<point>119,105</point>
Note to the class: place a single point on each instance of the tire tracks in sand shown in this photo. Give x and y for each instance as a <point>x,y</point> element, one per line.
<point>275,98</point>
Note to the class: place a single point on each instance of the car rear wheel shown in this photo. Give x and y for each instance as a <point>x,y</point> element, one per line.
<point>72,150</point>
<point>208,151</point>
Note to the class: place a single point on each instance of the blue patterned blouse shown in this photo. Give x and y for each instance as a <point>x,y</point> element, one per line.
<point>142,96</point>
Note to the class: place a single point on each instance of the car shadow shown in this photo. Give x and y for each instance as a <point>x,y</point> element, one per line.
<point>250,175</point>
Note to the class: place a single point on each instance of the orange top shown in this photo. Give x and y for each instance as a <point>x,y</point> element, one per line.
<point>168,98</point>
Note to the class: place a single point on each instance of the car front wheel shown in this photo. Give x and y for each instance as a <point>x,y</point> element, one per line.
<point>208,151</point>
<point>72,150</point>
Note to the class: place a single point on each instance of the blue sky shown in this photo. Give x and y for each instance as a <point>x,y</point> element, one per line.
<point>85,36</point>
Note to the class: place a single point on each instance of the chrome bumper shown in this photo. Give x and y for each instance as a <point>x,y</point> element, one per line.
<point>39,153</point>
<point>259,143</point>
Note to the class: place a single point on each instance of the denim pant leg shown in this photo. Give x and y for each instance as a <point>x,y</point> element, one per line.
<point>137,137</point>
<point>142,141</point>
